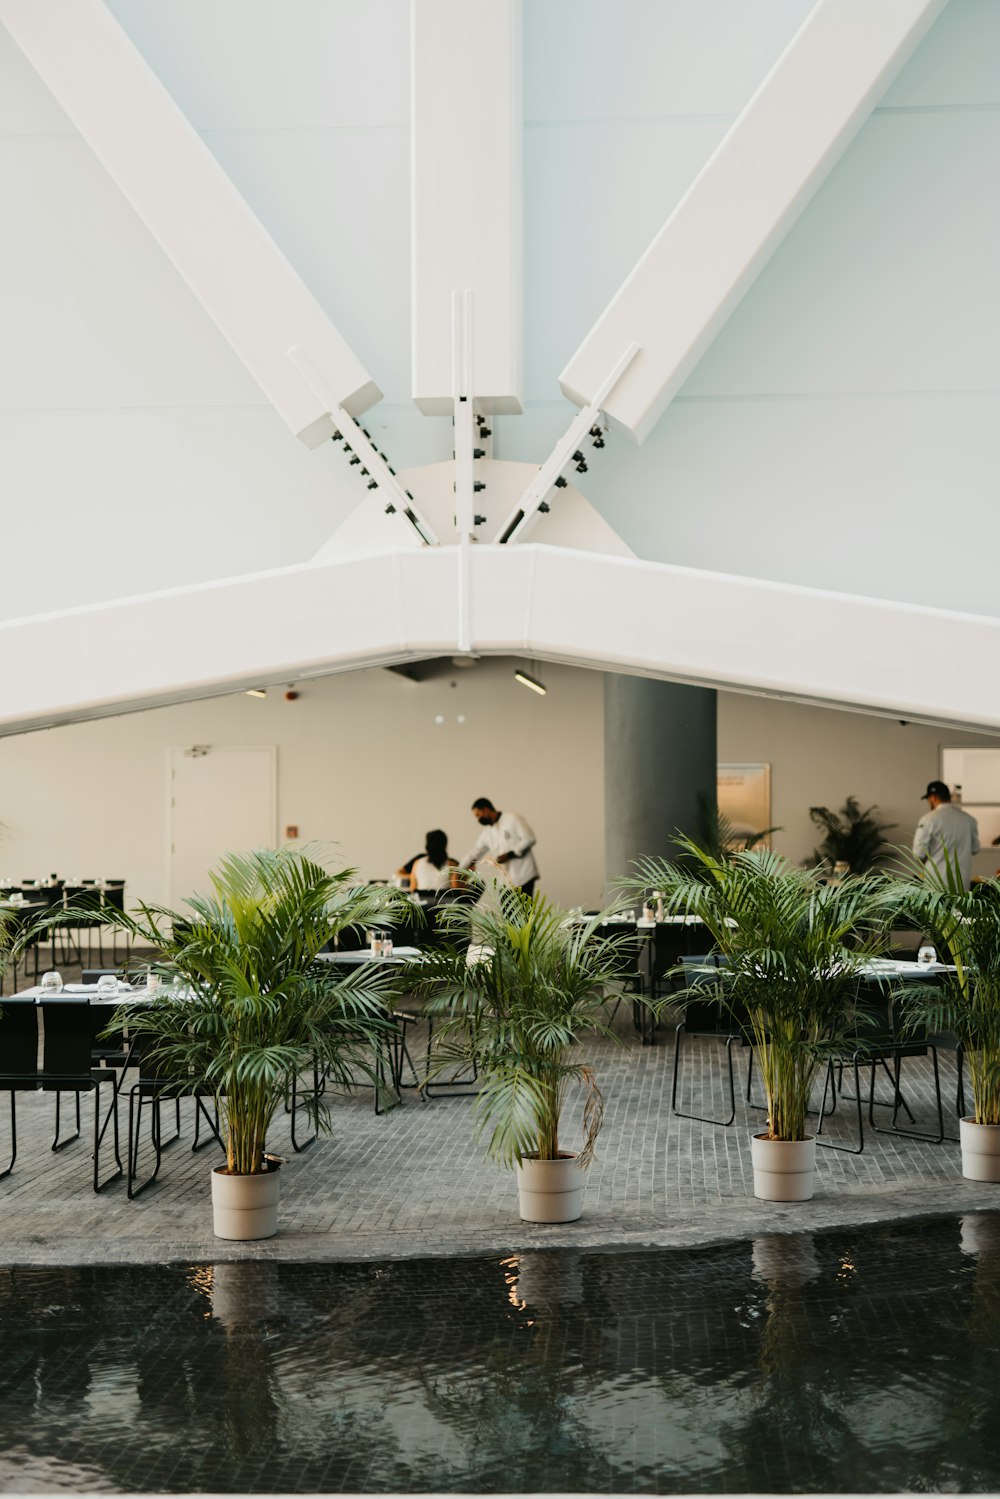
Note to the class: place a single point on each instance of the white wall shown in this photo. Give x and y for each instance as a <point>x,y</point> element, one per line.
<point>363,764</point>
<point>820,756</point>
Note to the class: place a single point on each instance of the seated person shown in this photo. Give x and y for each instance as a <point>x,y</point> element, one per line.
<point>432,869</point>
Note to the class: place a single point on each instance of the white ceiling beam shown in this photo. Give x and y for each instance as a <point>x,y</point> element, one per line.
<point>612,613</point>
<point>191,208</point>
<point>465,178</point>
<point>744,201</point>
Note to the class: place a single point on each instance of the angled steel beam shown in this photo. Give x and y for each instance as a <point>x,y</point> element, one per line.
<point>191,208</point>
<point>568,452</point>
<point>744,201</point>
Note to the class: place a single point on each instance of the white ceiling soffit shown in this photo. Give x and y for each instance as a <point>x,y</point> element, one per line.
<point>193,211</point>
<point>739,208</point>
<point>613,613</point>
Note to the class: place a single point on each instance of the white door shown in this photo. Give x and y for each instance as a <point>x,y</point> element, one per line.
<point>222,801</point>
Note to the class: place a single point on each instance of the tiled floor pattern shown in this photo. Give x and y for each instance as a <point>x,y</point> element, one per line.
<point>414,1182</point>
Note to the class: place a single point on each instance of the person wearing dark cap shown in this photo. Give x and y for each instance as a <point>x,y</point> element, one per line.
<point>505,838</point>
<point>946,834</point>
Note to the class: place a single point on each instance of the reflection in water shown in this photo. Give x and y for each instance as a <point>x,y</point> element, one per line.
<point>857,1360</point>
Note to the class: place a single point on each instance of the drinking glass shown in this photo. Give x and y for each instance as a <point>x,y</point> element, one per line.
<point>107,986</point>
<point>51,983</point>
<point>927,954</point>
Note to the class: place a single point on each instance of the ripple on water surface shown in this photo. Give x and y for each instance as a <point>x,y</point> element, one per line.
<point>853,1360</point>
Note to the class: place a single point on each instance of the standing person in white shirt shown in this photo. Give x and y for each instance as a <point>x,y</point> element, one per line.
<point>946,833</point>
<point>506,838</point>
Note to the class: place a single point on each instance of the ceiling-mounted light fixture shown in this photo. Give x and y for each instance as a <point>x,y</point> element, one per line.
<point>256,692</point>
<point>532,682</point>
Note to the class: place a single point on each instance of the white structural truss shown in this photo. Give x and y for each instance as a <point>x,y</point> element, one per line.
<point>465,150</point>
<point>738,209</point>
<point>191,208</point>
<point>416,597</point>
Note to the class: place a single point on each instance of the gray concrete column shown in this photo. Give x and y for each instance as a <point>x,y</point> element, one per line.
<point>659,767</point>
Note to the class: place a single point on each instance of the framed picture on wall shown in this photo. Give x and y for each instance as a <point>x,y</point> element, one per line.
<point>745,800</point>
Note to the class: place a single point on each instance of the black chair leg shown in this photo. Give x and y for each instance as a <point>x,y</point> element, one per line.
<point>830,1085</point>
<point>201,1112</point>
<point>899,1101</point>
<point>57,1143</point>
<point>13,1138</point>
<point>703,1118</point>
<point>299,1145</point>
<point>459,1086</point>
<point>135,1103</point>
<point>960,1082</point>
<point>99,1132</point>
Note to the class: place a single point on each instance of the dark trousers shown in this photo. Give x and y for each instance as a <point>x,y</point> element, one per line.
<point>529,885</point>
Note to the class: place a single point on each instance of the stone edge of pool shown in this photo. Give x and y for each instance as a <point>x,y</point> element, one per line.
<point>725,1223</point>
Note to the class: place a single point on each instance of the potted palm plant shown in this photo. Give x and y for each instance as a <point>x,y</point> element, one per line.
<point>515,992</point>
<point>791,951</point>
<point>248,1010</point>
<point>851,837</point>
<point>964,998</point>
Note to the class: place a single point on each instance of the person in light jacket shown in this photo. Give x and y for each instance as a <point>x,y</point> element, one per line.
<point>506,838</point>
<point>946,834</point>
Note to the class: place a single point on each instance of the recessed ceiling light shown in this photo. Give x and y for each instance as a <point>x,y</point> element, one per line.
<point>532,682</point>
<point>256,692</point>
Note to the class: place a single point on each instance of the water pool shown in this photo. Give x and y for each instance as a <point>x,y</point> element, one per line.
<point>851,1360</point>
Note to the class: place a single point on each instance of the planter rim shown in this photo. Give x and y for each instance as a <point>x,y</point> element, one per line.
<point>270,1168</point>
<point>777,1140</point>
<point>544,1160</point>
<point>968,1119</point>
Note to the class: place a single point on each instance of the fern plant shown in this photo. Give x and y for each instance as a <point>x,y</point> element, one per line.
<point>852,836</point>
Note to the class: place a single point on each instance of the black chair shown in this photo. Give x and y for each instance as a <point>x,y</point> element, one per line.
<point>660,957</point>
<point>82,924</point>
<point>113,897</point>
<point>882,1046</point>
<point>19,1053</point>
<point>69,1029</point>
<point>707,1018</point>
<point>18,965</point>
<point>155,1087</point>
<point>44,902</point>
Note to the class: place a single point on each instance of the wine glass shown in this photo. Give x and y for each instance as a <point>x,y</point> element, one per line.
<point>51,982</point>
<point>107,986</point>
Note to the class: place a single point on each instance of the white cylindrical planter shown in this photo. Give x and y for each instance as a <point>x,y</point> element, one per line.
<point>550,1191</point>
<point>980,1150</point>
<point>245,1207</point>
<point>783,1169</point>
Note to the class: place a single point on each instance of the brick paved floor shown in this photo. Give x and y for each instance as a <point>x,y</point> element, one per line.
<point>414,1182</point>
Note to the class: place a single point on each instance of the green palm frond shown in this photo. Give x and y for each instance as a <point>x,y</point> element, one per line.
<point>249,1008</point>
<point>541,984</point>
<point>852,836</point>
<point>792,950</point>
<point>964,926</point>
